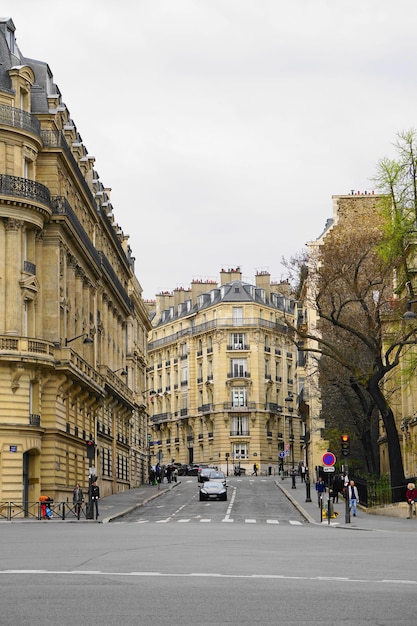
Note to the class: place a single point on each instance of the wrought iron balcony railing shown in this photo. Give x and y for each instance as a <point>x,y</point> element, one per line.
<point>10,116</point>
<point>18,187</point>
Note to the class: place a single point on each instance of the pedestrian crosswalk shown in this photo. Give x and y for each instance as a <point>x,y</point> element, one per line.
<point>171,520</point>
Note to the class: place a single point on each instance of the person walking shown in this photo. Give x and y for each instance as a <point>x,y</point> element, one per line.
<point>77,500</point>
<point>337,487</point>
<point>95,497</point>
<point>411,497</point>
<point>353,497</point>
<point>321,490</point>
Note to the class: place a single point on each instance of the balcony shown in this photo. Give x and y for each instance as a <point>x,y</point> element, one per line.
<point>238,375</point>
<point>239,433</point>
<point>25,189</point>
<point>249,406</point>
<point>18,347</point>
<point>10,116</point>
<point>273,407</point>
<point>29,268</point>
<point>34,420</point>
<point>183,412</point>
<point>205,408</point>
<point>238,346</point>
<point>160,417</point>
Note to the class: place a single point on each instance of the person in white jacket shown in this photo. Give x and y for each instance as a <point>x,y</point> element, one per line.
<point>353,497</point>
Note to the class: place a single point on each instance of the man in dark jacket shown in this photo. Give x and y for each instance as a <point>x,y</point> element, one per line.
<point>337,488</point>
<point>95,497</point>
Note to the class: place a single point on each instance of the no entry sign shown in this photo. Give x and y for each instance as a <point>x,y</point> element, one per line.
<point>328,459</point>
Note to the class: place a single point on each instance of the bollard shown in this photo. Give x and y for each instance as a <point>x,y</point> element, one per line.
<point>293,486</point>
<point>308,492</point>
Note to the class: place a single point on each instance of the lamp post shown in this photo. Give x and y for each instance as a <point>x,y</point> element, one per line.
<point>290,398</point>
<point>87,339</point>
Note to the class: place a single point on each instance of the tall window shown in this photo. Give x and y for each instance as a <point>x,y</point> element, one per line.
<point>240,425</point>
<point>237,341</point>
<point>239,367</point>
<point>240,451</point>
<point>239,396</point>
<point>237,315</point>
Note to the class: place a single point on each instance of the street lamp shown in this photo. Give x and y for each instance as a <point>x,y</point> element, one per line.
<point>290,398</point>
<point>87,339</point>
<point>121,369</point>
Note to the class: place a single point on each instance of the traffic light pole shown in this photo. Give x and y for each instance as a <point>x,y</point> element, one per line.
<point>347,508</point>
<point>91,454</point>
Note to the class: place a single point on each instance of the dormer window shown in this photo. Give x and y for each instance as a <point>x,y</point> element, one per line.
<point>10,40</point>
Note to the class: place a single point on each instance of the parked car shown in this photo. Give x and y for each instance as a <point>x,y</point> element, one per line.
<point>213,491</point>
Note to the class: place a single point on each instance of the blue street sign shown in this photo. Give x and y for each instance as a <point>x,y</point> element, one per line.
<point>282,455</point>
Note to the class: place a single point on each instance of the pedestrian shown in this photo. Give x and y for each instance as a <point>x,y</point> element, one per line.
<point>95,497</point>
<point>46,511</point>
<point>353,497</point>
<point>337,488</point>
<point>321,490</point>
<point>303,473</point>
<point>175,474</point>
<point>77,500</point>
<point>255,469</point>
<point>411,497</point>
<point>169,473</point>
<point>158,472</point>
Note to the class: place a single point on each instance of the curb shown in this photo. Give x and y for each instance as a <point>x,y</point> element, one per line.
<point>297,505</point>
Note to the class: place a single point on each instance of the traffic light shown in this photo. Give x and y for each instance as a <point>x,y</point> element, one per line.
<point>91,447</point>
<point>345,439</point>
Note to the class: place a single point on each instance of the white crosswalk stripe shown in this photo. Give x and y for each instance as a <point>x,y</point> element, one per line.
<point>208,521</point>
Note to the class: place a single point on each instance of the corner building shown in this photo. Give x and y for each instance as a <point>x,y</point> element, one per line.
<point>73,325</point>
<point>222,375</point>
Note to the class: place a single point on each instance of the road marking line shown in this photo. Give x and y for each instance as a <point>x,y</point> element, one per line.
<point>205,520</point>
<point>250,521</point>
<point>325,579</point>
<point>182,521</point>
<point>227,520</point>
<point>295,523</point>
<point>272,521</point>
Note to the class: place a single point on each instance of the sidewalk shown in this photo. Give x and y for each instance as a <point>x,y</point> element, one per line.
<point>363,521</point>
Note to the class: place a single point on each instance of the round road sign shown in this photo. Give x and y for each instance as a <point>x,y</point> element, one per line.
<point>328,459</point>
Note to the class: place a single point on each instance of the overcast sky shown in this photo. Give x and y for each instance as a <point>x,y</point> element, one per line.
<point>224,127</point>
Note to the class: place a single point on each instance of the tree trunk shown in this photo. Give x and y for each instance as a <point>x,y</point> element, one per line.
<point>393,441</point>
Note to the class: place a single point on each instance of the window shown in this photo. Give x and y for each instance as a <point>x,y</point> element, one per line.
<point>240,451</point>
<point>239,396</point>
<point>237,315</point>
<point>10,40</point>
<point>240,425</point>
<point>239,368</point>
<point>237,341</point>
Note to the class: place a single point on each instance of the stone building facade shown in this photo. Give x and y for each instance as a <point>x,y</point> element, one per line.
<point>73,325</point>
<point>223,377</point>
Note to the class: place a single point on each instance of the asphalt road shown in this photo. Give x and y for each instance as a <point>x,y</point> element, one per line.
<point>250,501</point>
<point>154,569</point>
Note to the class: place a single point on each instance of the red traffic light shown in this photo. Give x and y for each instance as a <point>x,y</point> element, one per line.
<point>91,449</point>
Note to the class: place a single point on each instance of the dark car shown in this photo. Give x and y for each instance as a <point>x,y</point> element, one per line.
<point>213,491</point>
<point>194,468</point>
<point>204,474</point>
<point>215,476</point>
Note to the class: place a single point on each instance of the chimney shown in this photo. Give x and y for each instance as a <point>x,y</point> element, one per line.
<point>198,287</point>
<point>227,276</point>
<point>263,281</point>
